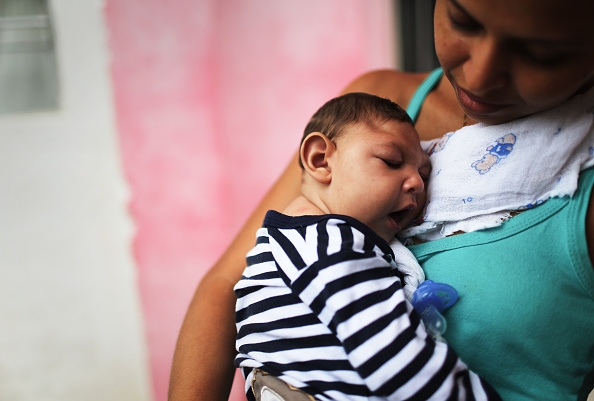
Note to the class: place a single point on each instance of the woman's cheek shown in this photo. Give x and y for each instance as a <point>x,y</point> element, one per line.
<point>541,90</point>
<point>450,48</point>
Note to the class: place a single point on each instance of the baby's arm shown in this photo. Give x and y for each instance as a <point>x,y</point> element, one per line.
<point>360,300</point>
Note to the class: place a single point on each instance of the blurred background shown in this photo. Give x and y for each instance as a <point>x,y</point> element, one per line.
<point>135,138</point>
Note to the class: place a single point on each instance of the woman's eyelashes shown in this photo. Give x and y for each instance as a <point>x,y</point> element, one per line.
<point>462,21</point>
<point>466,27</point>
<point>542,58</point>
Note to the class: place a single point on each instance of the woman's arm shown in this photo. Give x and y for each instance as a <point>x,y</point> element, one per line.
<point>203,361</point>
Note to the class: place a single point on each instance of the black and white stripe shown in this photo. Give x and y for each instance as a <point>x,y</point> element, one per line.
<point>320,307</point>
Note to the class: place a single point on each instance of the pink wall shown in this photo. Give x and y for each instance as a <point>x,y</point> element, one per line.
<point>211,97</point>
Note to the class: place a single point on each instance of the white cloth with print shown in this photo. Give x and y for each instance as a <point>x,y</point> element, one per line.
<point>481,173</point>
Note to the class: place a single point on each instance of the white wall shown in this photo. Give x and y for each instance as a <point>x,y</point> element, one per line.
<point>70,326</point>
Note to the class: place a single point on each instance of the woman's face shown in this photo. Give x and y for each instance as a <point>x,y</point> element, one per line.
<point>507,59</point>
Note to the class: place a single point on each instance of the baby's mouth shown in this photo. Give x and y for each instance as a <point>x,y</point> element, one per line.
<point>400,216</point>
<point>394,219</point>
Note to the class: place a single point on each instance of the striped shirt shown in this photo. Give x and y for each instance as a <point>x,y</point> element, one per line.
<point>319,307</point>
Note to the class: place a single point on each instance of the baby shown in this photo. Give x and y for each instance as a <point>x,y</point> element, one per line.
<point>320,305</point>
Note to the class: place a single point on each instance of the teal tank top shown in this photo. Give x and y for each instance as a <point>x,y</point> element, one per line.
<point>416,102</point>
<point>525,317</point>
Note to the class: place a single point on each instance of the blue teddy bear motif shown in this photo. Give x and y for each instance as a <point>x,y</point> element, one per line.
<point>496,152</point>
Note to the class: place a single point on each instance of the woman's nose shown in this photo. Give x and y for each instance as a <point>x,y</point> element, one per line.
<point>487,67</point>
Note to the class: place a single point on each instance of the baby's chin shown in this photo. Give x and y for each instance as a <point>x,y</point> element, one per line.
<point>387,234</point>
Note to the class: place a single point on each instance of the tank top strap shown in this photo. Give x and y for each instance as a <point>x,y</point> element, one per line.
<point>416,102</point>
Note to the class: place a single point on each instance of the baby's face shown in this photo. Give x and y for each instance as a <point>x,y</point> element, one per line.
<point>379,175</point>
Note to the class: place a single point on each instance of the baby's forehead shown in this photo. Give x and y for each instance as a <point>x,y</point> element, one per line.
<point>402,139</point>
<point>387,126</point>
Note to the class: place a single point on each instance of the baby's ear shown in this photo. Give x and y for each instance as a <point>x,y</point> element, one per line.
<point>315,151</point>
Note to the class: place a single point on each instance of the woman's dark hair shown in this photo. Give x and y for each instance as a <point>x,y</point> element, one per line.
<point>353,108</point>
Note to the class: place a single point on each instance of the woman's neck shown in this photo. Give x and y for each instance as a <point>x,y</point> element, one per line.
<point>441,113</point>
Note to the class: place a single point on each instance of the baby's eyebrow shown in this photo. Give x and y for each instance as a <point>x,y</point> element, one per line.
<point>392,149</point>
<point>391,146</point>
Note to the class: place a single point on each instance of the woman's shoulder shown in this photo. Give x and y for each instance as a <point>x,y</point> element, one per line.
<point>395,85</point>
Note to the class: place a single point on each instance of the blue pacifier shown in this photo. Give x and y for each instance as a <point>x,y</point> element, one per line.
<point>429,300</point>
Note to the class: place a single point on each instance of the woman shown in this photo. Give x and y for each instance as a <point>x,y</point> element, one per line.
<point>502,61</point>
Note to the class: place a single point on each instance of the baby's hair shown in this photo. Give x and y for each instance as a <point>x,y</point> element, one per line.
<point>353,108</point>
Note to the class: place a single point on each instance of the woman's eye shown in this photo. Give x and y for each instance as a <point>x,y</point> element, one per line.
<point>547,60</point>
<point>463,22</point>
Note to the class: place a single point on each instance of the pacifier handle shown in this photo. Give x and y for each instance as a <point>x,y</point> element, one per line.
<point>429,300</point>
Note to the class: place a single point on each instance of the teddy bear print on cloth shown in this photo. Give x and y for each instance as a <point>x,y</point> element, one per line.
<point>482,172</point>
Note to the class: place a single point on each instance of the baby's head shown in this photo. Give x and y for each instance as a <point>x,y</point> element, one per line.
<point>362,158</point>
<point>353,108</point>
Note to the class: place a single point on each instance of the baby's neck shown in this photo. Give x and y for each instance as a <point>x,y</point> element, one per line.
<point>302,206</point>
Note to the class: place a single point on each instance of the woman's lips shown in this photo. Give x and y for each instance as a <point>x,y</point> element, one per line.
<point>476,105</point>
